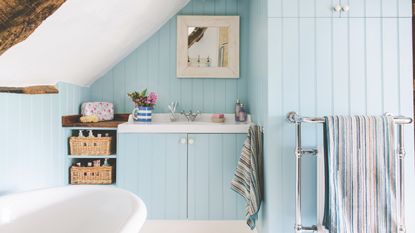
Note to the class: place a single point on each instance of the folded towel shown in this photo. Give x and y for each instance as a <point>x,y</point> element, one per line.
<point>361,172</point>
<point>248,179</point>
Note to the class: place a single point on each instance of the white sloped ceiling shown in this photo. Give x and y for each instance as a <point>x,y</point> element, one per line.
<point>84,39</point>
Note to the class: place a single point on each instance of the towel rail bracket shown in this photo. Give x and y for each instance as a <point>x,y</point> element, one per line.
<point>401,154</point>
<point>300,228</point>
<point>300,152</point>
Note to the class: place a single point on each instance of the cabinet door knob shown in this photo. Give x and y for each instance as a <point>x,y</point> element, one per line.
<point>345,8</point>
<point>337,8</point>
<point>183,141</point>
<point>191,141</point>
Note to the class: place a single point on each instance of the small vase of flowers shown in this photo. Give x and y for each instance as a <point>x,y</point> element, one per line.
<point>143,105</point>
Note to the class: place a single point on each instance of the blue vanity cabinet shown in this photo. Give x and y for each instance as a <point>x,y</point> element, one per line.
<point>212,159</point>
<point>154,166</point>
<point>182,176</point>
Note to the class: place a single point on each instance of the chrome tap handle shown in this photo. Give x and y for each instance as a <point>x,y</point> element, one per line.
<point>191,116</point>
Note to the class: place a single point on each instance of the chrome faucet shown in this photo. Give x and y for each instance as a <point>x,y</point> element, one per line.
<point>191,116</point>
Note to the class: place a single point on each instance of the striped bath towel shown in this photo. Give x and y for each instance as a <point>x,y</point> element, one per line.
<point>361,175</point>
<point>248,179</point>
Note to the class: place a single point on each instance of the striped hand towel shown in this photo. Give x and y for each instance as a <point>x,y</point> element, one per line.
<point>361,175</point>
<point>248,179</point>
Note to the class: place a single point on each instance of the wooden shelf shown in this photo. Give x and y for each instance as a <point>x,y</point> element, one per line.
<point>72,121</point>
<point>72,124</point>
<point>92,156</point>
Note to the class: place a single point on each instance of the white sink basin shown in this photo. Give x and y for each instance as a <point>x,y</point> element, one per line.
<point>161,124</point>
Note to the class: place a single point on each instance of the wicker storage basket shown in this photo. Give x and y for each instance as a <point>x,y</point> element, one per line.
<point>91,175</point>
<point>90,146</point>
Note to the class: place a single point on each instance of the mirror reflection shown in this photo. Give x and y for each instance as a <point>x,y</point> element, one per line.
<point>208,46</point>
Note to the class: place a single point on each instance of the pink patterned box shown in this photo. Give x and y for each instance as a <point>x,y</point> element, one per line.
<point>103,110</point>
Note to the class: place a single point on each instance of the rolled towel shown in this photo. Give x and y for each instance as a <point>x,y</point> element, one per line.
<point>89,119</point>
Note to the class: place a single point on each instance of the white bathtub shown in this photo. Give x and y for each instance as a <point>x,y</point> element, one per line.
<point>72,209</point>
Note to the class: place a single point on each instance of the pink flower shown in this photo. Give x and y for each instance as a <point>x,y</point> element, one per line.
<point>152,98</point>
<point>142,99</point>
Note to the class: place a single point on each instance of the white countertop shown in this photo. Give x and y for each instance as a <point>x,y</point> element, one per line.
<point>161,124</point>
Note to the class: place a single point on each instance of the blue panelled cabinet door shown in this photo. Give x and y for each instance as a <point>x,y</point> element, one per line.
<point>339,8</point>
<point>153,166</point>
<point>212,162</point>
<point>182,176</point>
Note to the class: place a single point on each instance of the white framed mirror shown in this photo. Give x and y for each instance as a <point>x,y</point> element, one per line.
<point>207,46</point>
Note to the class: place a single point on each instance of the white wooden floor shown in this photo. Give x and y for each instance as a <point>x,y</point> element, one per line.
<point>184,226</point>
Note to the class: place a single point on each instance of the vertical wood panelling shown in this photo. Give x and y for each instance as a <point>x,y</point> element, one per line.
<point>373,8</point>
<point>324,59</point>
<point>153,66</point>
<point>307,8</point>
<point>176,152</point>
<point>405,72</point>
<point>130,81</point>
<point>119,87</point>
<point>405,8</point>
<point>198,178</point>
<point>242,87</point>
<point>257,72</point>
<point>390,65</point>
<point>258,86</point>
<point>356,44</point>
<point>324,8</point>
<point>273,165</point>
<point>390,8</point>
<point>154,166</point>
<point>358,7</point>
<point>275,8</point>
<point>230,7</point>
<point>340,66</point>
<point>162,86</point>
<point>212,161</point>
<point>290,8</point>
<point>31,142</point>
<point>359,66</point>
<point>373,67</point>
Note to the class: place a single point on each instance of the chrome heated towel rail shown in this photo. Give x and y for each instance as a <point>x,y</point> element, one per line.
<point>299,152</point>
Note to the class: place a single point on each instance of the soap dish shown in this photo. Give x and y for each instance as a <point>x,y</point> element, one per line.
<point>218,118</point>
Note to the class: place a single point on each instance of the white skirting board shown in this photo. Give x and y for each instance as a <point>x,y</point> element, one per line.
<point>190,226</point>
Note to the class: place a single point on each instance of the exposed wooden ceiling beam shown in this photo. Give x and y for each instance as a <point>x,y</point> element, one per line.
<point>19,18</point>
<point>42,89</point>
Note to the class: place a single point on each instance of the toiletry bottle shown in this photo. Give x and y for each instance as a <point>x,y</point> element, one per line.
<point>237,109</point>
<point>90,135</point>
<point>242,114</point>
<point>106,164</point>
